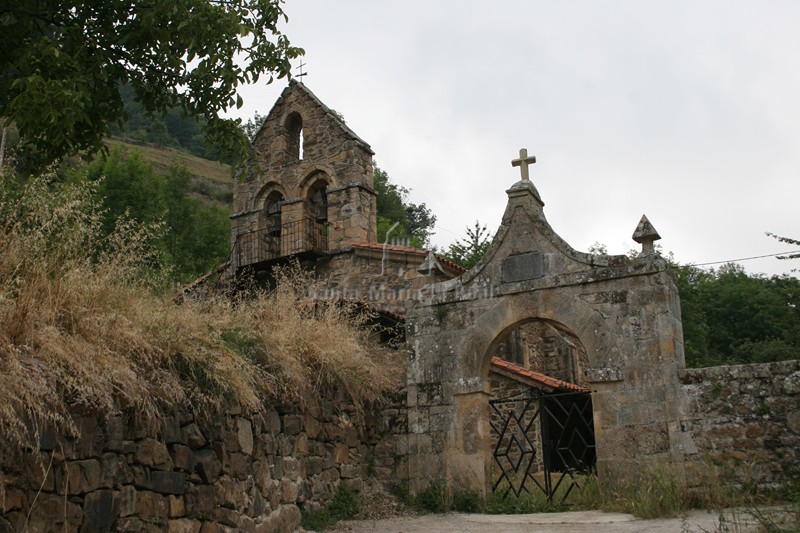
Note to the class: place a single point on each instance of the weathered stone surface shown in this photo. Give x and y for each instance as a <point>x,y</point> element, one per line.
<point>152,452</point>
<point>183,457</point>
<point>208,465</point>
<point>192,436</point>
<point>151,505</point>
<point>176,506</point>
<point>80,476</point>
<point>168,482</point>
<point>737,411</point>
<point>99,512</point>
<point>292,424</point>
<point>52,514</point>
<point>523,267</point>
<point>184,525</point>
<point>245,436</point>
<point>284,519</point>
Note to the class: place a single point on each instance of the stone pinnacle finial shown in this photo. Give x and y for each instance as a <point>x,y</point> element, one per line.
<point>646,235</point>
<point>523,162</point>
<point>430,265</point>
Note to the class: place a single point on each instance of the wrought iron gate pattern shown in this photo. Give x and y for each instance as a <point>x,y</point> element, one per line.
<point>543,442</point>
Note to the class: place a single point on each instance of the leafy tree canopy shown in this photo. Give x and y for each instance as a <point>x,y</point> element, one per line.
<point>731,317</point>
<point>415,221</point>
<point>194,238</point>
<point>468,251</point>
<point>62,65</point>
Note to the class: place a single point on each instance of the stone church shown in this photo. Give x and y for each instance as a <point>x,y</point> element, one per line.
<point>493,352</point>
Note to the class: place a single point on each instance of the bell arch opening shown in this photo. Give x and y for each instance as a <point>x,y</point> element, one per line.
<point>317,200</point>
<point>294,136</point>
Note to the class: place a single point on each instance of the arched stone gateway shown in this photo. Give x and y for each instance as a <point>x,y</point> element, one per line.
<point>624,312</point>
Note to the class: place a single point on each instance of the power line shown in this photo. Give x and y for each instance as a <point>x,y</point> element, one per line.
<point>745,258</point>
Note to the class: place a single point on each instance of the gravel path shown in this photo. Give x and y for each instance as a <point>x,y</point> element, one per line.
<point>574,522</point>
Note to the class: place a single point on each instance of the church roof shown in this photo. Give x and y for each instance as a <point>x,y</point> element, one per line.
<point>365,245</point>
<point>295,85</point>
<point>536,379</point>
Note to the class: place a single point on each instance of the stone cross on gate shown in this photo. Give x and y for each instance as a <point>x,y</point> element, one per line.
<point>523,162</point>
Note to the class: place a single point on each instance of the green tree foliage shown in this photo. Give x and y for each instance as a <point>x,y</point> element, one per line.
<point>787,240</point>
<point>195,236</point>
<point>731,317</point>
<point>62,65</point>
<point>253,124</point>
<point>468,251</point>
<point>416,221</point>
<point>171,128</point>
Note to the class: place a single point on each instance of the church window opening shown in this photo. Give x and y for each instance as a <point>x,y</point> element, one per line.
<point>294,136</point>
<point>318,201</point>
<point>272,208</point>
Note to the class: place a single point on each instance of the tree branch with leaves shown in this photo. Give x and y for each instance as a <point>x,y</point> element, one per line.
<point>62,65</point>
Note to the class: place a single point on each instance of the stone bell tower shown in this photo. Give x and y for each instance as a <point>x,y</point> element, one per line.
<point>308,189</point>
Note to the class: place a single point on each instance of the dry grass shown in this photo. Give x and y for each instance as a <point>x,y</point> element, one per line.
<point>164,158</point>
<point>81,325</point>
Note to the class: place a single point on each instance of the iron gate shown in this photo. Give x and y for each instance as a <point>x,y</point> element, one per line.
<point>544,442</point>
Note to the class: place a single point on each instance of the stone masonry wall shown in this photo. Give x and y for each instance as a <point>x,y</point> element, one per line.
<point>239,473</point>
<point>748,416</point>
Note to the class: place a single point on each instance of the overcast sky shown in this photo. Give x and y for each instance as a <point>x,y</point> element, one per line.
<point>686,111</point>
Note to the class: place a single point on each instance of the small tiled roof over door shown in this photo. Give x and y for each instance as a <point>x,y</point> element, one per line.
<point>535,379</point>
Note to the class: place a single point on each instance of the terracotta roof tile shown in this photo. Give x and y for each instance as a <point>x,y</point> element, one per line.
<point>406,249</point>
<point>507,367</point>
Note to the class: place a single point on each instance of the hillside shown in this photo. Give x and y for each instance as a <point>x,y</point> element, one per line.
<point>211,180</point>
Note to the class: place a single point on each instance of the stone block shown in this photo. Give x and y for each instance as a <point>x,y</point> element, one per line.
<point>154,453</point>
<point>201,502</point>
<point>192,436</point>
<point>183,458</point>
<point>98,512</point>
<point>272,421</point>
<point>52,514</point>
<point>292,424</point>
<point>239,465</point>
<point>184,525</point>
<point>90,443</point>
<point>312,427</point>
<point>261,474</point>
<point>171,429</point>
<point>208,465</point>
<point>125,500</point>
<point>301,445</point>
<point>348,471</point>
<point>289,491</point>
<point>151,505</point>
<point>245,436</point>
<point>341,453</point>
<point>81,477</point>
<point>168,482</point>
<point>115,470</point>
<point>284,519</point>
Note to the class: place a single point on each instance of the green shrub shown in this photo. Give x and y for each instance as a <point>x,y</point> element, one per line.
<point>434,499</point>
<point>467,501</point>
<point>343,507</point>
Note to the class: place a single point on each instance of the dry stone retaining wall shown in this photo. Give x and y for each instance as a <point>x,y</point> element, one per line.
<point>749,417</point>
<point>240,473</point>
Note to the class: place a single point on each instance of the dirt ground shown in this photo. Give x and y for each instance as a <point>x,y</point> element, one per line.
<point>573,522</point>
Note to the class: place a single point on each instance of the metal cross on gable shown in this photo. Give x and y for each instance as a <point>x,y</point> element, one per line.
<point>301,74</point>
<point>523,162</point>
